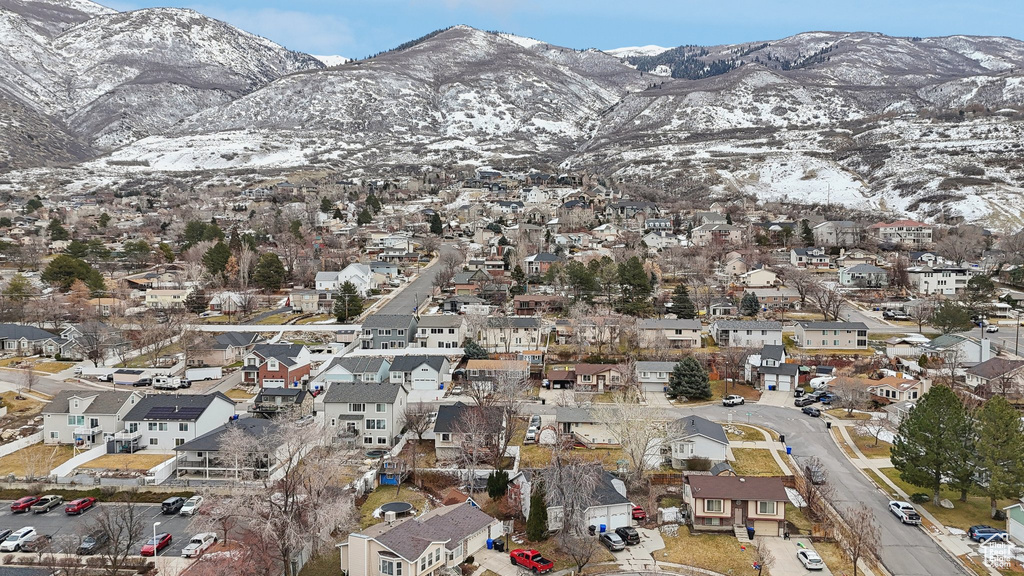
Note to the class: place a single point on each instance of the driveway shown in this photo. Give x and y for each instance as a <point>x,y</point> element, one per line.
<point>786,561</point>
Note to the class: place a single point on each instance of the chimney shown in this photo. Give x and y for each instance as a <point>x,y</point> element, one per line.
<point>986,347</point>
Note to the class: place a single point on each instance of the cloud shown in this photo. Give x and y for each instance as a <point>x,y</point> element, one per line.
<point>296,30</point>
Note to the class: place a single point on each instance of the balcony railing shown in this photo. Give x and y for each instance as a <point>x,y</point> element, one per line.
<point>124,435</point>
<point>86,431</point>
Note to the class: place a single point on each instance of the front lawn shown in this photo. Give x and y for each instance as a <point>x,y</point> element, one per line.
<point>384,494</point>
<point>755,462</point>
<point>842,414</point>
<point>834,557</point>
<point>239,395</point>
<point>744,433</point>
<point>867,445</point>
<point>963,515</point>
<point>718,552</point>
<point>796,517</point>
<point>549,549</point>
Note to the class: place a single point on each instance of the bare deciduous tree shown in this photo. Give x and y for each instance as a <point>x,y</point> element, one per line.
<point>961,244</point>
<point>763,556</point>
<point>416,419</point>
<point>124,525</point>
<point>800,279</point>
<point>829,299</point>
<point>859,536</point>
<point>852,395</point>
<point>570,483</point>
<point>630,423</point>
<point>817,495</point>
<point>449,265</point>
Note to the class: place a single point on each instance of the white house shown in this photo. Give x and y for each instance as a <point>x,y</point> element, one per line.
<point>368,413</point>
<point>611,508</point>
<point>769,367</point>
<point>696,437</point>
<point>440,331</point>
<point>750,333</point>
<point>83,416</point>
<point>653,376</point>
<point>358,274</point>
<point>945,280</point>
<point>420,372</point>
<point>163,421</point>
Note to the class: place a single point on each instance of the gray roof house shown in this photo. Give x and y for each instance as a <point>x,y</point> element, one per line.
<point>353,369</point>
<point>200,458</point>
<point>18,339</point>
<point>696,437</point>
<point>82,417</point>
<point>653,376</point>
<point>163,421</point>
<point>366,413</point>
<point>864,276</point>
<point>388,331</point>
<point>750,333</point>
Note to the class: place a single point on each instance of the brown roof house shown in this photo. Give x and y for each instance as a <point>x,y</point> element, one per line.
<point>997,375</point>
<point>736,503</point>
<point>598,377</point>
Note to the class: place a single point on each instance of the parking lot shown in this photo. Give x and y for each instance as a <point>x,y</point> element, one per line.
<point>56,523</point>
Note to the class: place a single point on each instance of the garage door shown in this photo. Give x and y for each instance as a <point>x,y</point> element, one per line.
<point>654,387</point>
<point>618,519</point>
<point>766,528</point>
<point>784,384</point>
<point>424,383</point>
<point>269,383</point>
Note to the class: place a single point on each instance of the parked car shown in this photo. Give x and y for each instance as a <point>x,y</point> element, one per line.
<point>534,421</point>
<point>810,560</point>
<point>191,506</point>
<point>47,503</point>
<point>457,390</point>
<point>992,328</point>
<point>15,540</point>
<point>611,541</point>
<point>143,382</point>
<point>24,504</point>
<point>905,512</point>
<point>93,542</point>
<point>733,400</point>
<point>5,533</point>
<point>827,397</point>
<point>639,514</point>
<point>804,401</point>
<point>153,546</point>
<point>80,505</point>
<point>811,411</point>
<point>36,543</point>
<point>531,560</point>
<point>628,534</point>
<point>198,544</point>
<point>172,505</point>
<point>982,532</point>
<point>798,391</point>
<point>531,435</point>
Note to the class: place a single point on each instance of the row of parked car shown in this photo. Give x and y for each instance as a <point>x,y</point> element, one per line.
<point>43,504</point>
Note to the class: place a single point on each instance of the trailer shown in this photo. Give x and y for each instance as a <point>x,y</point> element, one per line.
<point>208,373</point>
<point>101,373</point>
<point>167,383</point>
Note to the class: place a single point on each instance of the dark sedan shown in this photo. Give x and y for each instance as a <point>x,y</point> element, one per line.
<point>812,411</point>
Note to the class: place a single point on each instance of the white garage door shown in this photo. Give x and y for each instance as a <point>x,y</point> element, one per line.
<point>654,387</point>
<point>618,519</point>
<point>424,383</point>
<point>784,383</point>
<point>268,383</point>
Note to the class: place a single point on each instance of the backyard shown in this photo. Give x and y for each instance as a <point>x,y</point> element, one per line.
<point>35,460</point>
<point>384,494</point>
<point>718,552</point>
<point>140,461</point>
<point>755,462</point>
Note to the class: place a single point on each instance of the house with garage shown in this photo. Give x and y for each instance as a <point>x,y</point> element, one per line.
<point>997,376</point>
<point>735,503</point>
<point>746,333</point>
<point>19,340</point>
<point>462,428</point>
<point>202,458</point>
<point>832,335</point>
<point>770,369</point>
<point>670,333</point>
<point>368,414</point>
<point>225,348</point>
<point>611,508</point>
<point>1015,522</point>
<point>420,372</point>
<point>440,331</point>
<point>82,417</point>
<point>598,377</point>
<point>289,402</point>
<point>276,365</point>
<point>813,258</point>
<point>353,369</point>
<point>424,545</point>
<point>360,275</point>
<point>388,331</point>
<point>163,421</point>
<point>893,389</point>
<point>864,276</point>
<point>696,437</point>
<point>653,376</point>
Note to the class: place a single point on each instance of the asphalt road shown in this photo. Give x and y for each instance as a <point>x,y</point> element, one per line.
<point>57,524</point>
<point>419,289</point>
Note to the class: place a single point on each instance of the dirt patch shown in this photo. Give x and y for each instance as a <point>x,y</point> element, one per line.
<point>35,461</point>
<point>139,462</point>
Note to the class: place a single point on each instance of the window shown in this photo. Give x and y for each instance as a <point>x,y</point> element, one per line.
<point>446,437</point>
<point>390,567</point>
<point>334,422</point>
<point>182,426</point>
<point>376,424</point>
<point>199,454</point>
<point>151,426</point>
<point>367,440</point>
<point>357,408</point>
<point>76,420</point>
<point>162,427</point>
<point>54,435</point>
<point>133,427</point>
<point>382,439</point>
<point>766,508</point>
<point>712,521</point>
<point>382,408</point>
<point>400,332</point>
<point>712,505</point>
<point>423,562</point>
<point>154,441</point>
<point>179,441</point>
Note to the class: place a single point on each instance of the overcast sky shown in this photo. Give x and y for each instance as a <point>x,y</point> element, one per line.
<point>358,28</point>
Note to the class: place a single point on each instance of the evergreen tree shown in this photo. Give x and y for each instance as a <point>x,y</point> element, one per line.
<point>682,305</point>
<point>216,258</point>
<point>806,234</point>
<point>348,304</point>
<point>474,351</point>
<point>689,380</point>
<point>326,205</point>
<point>337,214</point>
<point>749,306</point>
<point>167,252</point>
<point>581,280</point>
<point>1001,451</point>
<point>57,230</point>
<point>951,317</point>
<point>63,270</point>
<point>537,523</point>
<point>364,217</point>
<point>728,219</point>
<point>373,202</point>
<point>269,272</point>
<point>635,288</point>
<point>436,227</point>
<point>104,220</point>
<point>196,302</point>
<point>928,444</point>
<point>518,275</point>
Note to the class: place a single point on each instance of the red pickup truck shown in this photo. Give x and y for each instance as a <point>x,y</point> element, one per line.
<point>531,560</point>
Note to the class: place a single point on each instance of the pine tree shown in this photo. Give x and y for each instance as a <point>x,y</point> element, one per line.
<point>537,523</point>
<point>364,217</point>
<point>474,351</point>
<point>1001,450</point>
<point>806,233</point>
<point>682,305</point>
<point>635,288</point>
<point>373,202</point>
<point>216,258</point>
<point>689,380</point>
<point>749,306</point>
<point>348,304</point>
<point>269,272</point>
<point>436,227</point>
<point>196,302</point>
<point>337,214</point>
<point>326,205</point>
<point>928,444</point>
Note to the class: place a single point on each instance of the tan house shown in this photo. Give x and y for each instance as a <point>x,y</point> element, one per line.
<point>832,335</point>
<point>460,428</point>
<point>728,503</point>
<point>668,333</point>
<point>759,278</point>
<point>425,545</point>
<point>997,376</point>
<point>897,389</point>
<point>598,377</point>
<point>165,299</point>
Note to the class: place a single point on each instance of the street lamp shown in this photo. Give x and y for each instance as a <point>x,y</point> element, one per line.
<point>155,551</point>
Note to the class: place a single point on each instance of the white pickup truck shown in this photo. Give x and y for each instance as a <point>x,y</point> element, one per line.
<point>198,544</point>
<point>905,512</point>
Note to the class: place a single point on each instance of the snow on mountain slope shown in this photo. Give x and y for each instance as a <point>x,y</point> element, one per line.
<point>51,17</point>
<point>649,50</point>
<point>330,61</point>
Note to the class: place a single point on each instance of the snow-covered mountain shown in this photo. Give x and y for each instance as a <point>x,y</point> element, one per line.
<point>917,124</point>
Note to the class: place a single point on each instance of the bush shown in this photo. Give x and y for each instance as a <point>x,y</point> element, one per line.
<point>8,558</point>
<point>698,464</point>
<point>920,498</point>
<point>1000,515</point>
<point>470,560</point>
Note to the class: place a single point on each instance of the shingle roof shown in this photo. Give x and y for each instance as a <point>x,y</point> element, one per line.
<point>738,487</point>
<point>356,364</point>
<point>362,392</point>
<point>573,414</point>
<point>652,366</point>
<point>17,332</point>
<point>781,369</point>
<point>237,339</point>
<point>211,441</point>
<point>833,325</point>
<point>994,367</point>
<point>283,353</point>
<point>669,324</point>
<point>697,426</point>
<point>514,321</point>
<point>748,325</point>
<point>773,352</point>
<point>104,401</point>
<point>448,417</point>
<point>412,362</point>
<point>439,321</point>
<point>389,321</point>
<point>173,407</point>
<point>450,524</point>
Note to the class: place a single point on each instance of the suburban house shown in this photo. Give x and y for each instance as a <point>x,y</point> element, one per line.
<point>908,346</point>
<point>388,331</point>
<point>508,334</point>
<point>749,333</point>
<point>358,369</point>
<point>227,303</point>
<point>200,458</point>
<point>772,298</point>
<point>22,340</point>
<point>598,377</point>
<point>225,348</point>
<point>360,275</point>
<point>733,503</point>
<point>668,333</point>
<point>770,370</point>
<point>696,437</point>
<point>276,365</point>
<point>371,411</point>
<point>653,376</point>
<point>82,417</point>
<point>166,299</point>
<point>468,283</point>
<point>832,335</point>
<point>759,278</point>
<point>461,428</point>
<point>84,340</point>
<point>997,376</point>
<point>716,234</point>
<point>1015,522</point>
<point>270,402</point>
<point>814,258</point>
<point>837,233</point>
<point>909,233</point>
<point>163,421</point>
<point>584,426</point>
<point>536,304</point>
<point>945,280</point>
<point>419,546</point>
<point>864,276</point>
<point>420,372</point>
<point>898,389</point>
<point>610,507</point>
<point>440,331</point>
<point>539,264</point>
<point>958,349</point>
<point>482,374</point>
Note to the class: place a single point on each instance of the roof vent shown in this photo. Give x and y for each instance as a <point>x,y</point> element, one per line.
<point>743,479</point>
